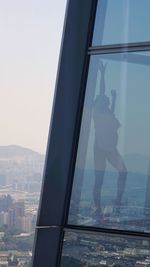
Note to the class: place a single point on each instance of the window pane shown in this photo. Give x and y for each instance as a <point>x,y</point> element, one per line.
<point>112,175</point>
<point>122,21</point>
<point>87,249</point>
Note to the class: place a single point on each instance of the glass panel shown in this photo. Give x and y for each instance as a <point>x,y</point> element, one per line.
<point>112,174</point>
<point>87,249</point>
<point>122,21</point>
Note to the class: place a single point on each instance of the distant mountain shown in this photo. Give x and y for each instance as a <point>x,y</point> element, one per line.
<point>14,151</point>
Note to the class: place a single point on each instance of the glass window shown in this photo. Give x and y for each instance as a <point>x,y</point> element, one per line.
<point>122,21</point>
<point>112,175</point>
<point>90,249</point>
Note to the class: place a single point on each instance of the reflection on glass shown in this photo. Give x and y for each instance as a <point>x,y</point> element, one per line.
<point>112,176</point>
<point>121,22</point>
<point>106,127</point>
<point>87,249</point>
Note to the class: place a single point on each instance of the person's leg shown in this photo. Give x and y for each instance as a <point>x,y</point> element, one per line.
<point>99,177</point>
<point>100,165</point>
<point>122,177</point>
<point>116,161</point>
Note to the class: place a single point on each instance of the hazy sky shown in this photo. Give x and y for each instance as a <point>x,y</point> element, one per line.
<point>30,33</point>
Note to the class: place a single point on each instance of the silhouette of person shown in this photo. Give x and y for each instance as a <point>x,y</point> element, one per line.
<point>105,146</point>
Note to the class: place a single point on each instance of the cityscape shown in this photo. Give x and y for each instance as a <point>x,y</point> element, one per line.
<point>103,250</point>
<point>20,182</point>
<point>132,215</point>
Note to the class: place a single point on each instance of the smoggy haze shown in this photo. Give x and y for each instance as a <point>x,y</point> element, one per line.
<point>30,33</point>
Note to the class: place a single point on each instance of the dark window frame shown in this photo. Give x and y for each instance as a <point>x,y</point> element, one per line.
<point>64,132</point>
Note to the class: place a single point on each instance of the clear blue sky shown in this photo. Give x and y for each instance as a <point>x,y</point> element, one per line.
<point>30,33</point>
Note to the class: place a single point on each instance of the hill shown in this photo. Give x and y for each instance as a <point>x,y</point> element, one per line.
<point>14,151</point>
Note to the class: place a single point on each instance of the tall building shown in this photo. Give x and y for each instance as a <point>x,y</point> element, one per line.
<point>147,195</point>
<point>19,209</point>
<point>6,202</point>
<point>92,210</point>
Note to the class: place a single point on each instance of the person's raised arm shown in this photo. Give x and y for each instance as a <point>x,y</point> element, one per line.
<point>113,94</point>
<point>102,68</point>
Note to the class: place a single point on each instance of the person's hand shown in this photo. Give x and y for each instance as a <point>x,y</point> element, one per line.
<point>113,93</point>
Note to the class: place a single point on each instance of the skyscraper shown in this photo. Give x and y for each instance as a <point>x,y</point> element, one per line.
<point>92,210</point>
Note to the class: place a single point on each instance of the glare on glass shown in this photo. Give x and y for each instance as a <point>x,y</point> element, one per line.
<point>122,21</point>
<point>112,175</point>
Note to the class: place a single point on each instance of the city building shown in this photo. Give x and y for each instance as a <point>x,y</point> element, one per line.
<point>94,208</point>
<point>3,264</point>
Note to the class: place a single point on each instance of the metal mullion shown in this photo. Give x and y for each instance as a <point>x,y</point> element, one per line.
<point>80,110</point>
<point>106,231</point>
<point>119,48</point>
<point>55,198</point>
